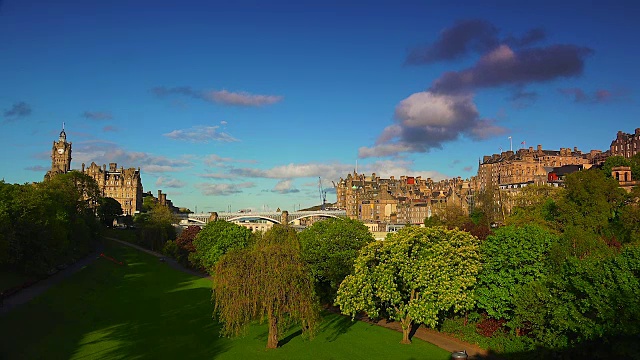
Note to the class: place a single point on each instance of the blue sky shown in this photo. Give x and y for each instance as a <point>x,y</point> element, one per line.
<point>246,105</point>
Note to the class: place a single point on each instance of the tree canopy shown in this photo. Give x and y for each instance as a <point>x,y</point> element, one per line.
<point>108,210</point>
<point>511,257</point>
<point>330,247</point>
<point>591,202</point>
<point>614,161</point>
<point>587,299</point>
<point>415,276</point>
<point>46,224</point>
<point>216,239</point>
<point>156,226</point>
<point>267,281</point>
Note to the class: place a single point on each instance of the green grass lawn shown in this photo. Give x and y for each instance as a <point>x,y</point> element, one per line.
<point>145,309</point>
<point>128,235</point>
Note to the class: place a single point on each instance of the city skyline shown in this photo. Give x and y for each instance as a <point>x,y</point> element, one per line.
<point>248,104</point>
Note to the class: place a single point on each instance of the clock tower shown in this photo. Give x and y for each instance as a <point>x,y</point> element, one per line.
<point>60,155</point>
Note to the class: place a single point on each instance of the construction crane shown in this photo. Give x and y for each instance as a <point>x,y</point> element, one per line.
<point>323,193</point>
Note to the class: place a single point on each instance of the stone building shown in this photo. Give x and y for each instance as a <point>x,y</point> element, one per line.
<point>124,185</point>
<point>623,175</point>
<point>625,145</point>
<point>60,156</point>
<point>526,166</point>
<point>407,200</point>
<point>161,199</point>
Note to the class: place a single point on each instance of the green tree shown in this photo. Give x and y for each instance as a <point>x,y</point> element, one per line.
<point>148,202</point>
<point>183,246</point>
<point>78,188</point>
<point>536,204</point>
<point>588,299</point>
<point>45,224</point>
<point>108,210</point>
<point>415,276</point>
<point>452,217</point>
<point>267,281</point>
<point>330,247</point>
<point>433,220</point>
<point>591,201</point>
<point>488,202</point>
<point>629,224</point>
<point>614,161</point>
<point>156,226</point>
<point>511,257</point>
<point>216,239</point>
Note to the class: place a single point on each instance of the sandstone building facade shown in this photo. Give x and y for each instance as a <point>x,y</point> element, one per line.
<point>527,166</point>
<point>124,185</point>
<point>407,200</point>
<point>626,145</point>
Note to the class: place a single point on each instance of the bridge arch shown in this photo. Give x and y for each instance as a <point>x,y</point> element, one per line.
<point>194,221</point>
<point>254,217</point>
<point>314,215</point>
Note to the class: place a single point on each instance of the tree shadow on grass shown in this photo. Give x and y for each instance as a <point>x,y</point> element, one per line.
<point>289,337</point>
<point>293,330</point>
<point>335,325</point>
<point>414,328</point>
<point>332,324</point>
<point>117,311</point>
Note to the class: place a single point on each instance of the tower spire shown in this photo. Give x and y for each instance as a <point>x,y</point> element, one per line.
<point>63,135</point>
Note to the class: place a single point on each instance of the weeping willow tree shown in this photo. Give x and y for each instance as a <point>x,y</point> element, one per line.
<point>268,281</point>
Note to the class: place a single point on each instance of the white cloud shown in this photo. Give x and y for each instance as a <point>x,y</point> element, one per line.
<point>426,120</point>
<point>217,176</point>
<point>240,98</point>
<point>328,172</point>
<point>214,160</point>
<point>224,189</point>
<point>97,115</point>
<point>397,168</point>
<point>224,97</point>
<point>105,152</point>
<point>200,134</point>
<point>169,182</point>
<point>292,171</point>
<point>284,187</point>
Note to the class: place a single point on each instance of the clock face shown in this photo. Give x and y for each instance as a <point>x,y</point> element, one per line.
<point>60,151</point>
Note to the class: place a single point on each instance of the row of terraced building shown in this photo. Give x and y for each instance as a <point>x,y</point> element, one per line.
<point>409,200</point>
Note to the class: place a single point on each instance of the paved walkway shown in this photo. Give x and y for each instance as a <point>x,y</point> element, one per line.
<point>438,339</point>
<point>442,341</point>
<point>27,294</point>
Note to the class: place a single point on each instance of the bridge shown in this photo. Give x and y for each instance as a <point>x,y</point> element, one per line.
<point>280,217</point>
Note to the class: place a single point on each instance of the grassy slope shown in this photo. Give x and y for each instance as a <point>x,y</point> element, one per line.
<point>145,309</point>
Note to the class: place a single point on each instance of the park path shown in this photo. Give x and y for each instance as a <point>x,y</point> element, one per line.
<point>29,293</point>
<point>442,341</point>
<point>438,339</point>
